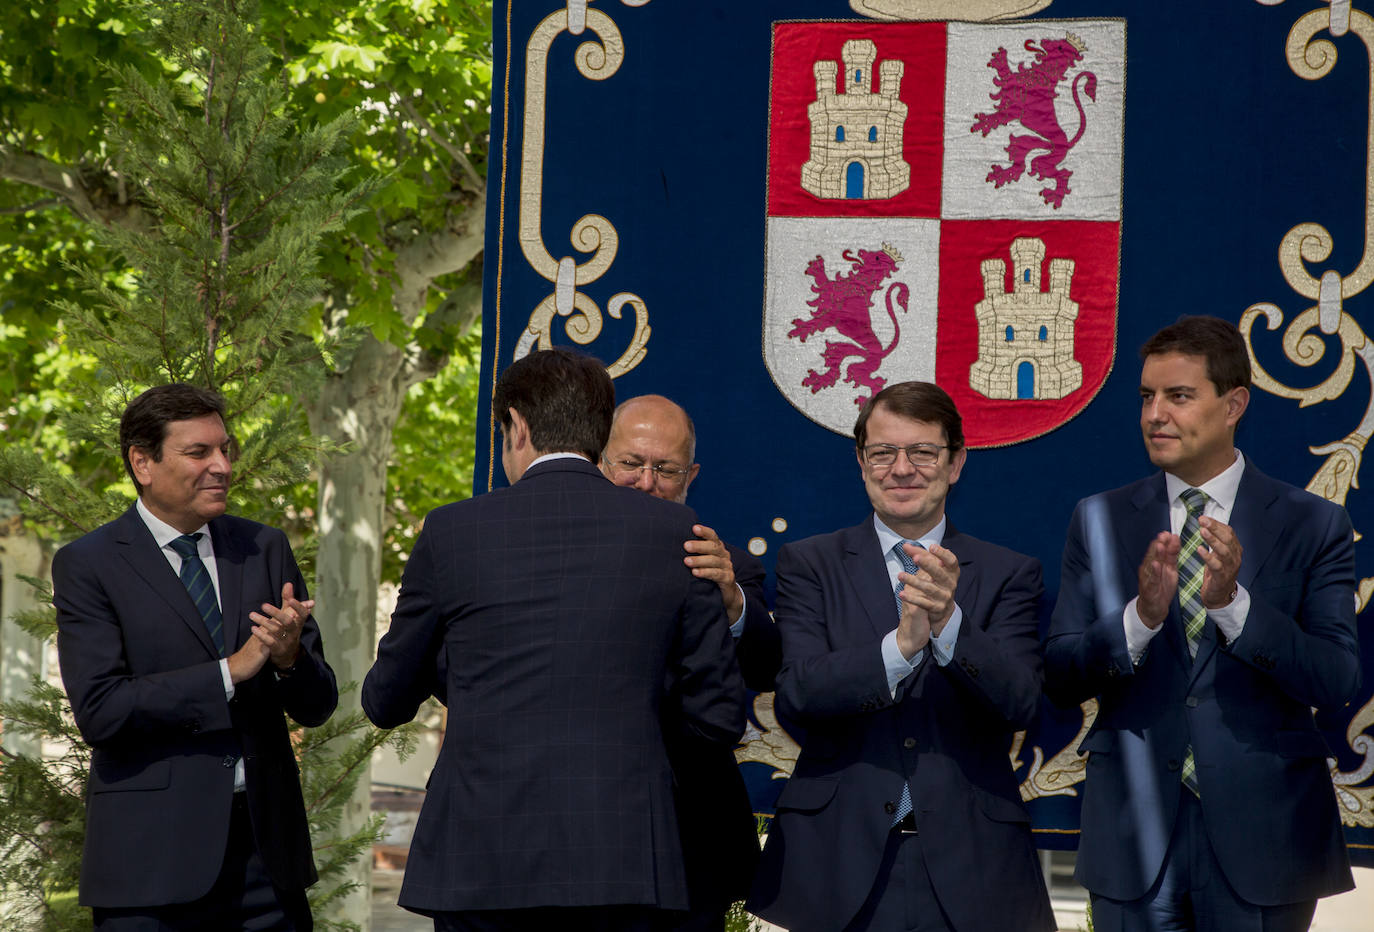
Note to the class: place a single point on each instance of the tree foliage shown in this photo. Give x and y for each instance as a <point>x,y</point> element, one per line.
<point>228,198</point>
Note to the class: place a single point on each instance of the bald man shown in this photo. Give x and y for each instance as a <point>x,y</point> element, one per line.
<point>652,447</point>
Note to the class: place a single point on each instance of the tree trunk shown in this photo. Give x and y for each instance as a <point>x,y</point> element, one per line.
<point>358,406</point>
<point>21,654</point>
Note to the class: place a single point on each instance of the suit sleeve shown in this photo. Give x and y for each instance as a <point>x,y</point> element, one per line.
<point>404,675</point>
<point>1086,650</point>
<point>309,693</point>
<point>1309,649</point>
<point>998,662</point>
<point>705,676</point>
<point>109,702</point>
<point>819,680</point>
<point>759,646</point>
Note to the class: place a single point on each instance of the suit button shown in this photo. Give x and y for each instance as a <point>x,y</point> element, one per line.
<point>228,761</point>
<point>194,728</point>
<point>1173,765</point>
<point>909,743</point>
<point>1191,702</point>
<point>889,808</point>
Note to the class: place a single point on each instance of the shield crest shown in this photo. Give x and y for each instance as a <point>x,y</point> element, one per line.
<point>944,204</point>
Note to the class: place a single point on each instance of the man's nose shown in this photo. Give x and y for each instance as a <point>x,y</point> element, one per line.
<point>902,464</point>
<point>645,480</point>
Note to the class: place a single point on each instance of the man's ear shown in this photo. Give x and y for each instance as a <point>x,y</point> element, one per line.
<point>140,461</point>
<point>518,434</point>
<point>1237,400</point>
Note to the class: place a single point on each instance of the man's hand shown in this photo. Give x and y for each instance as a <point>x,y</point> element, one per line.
<point>278,630</point>
<point>245,662</point>
<point>927,597</point>
<point>1159,579</point>
<point>1222,561</point>
<point>710,560</point>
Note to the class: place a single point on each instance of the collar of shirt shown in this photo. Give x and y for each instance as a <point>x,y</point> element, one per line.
<point>888,538</point>
<point>164,534</point>
<point>1221,494</point>
<point>566,455</point>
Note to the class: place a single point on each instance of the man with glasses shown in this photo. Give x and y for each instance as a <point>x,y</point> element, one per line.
<point>652,447</point>
<point>910,657</point>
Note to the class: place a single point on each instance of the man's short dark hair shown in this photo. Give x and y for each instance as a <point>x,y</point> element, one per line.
<point>145,420</point>
<point>566,397</point>
<point>919,401</point>
<point>1217,341</point>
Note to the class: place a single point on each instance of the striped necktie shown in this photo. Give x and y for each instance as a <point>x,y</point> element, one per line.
<point>196,578</point>
<point>909,566</point>
<point>1190,572</point>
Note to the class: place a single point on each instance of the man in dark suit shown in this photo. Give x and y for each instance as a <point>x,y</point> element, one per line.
<point>565,614</point>
<point>1208,609</point>
<point>910,657</point>
<point>653,448</point>
<point>194,817</point>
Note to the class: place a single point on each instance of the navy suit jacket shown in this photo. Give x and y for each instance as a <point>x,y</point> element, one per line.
<point>564,607</point>
<point>1246,706</point>
<point>948,733</point>
<point>720,841</point>
<point>146,689</point>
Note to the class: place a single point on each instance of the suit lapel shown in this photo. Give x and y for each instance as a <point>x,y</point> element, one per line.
<point>1250,521</point>
<point>966,590</point>
<point>864,565</point>
<point>229,569</point>
<point>1257,538</point>
<point>138,548</point>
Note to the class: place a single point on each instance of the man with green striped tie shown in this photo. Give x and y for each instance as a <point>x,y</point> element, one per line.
<point>1208,609</point>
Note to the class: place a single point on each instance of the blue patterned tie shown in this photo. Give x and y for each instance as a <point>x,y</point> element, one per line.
<point>909,566</point>
<point>1190,572</point>
<point>196,578</point>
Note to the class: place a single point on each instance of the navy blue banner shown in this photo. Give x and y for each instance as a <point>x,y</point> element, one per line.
<point>701,193</point>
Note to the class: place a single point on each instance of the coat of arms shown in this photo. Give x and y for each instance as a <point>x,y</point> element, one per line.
<point>944,203</point>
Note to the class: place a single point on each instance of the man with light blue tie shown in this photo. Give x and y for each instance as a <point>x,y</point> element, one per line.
<point>910,656</point>
<point>1208,609</point>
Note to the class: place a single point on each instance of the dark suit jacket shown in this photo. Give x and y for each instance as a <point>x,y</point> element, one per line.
<point>145,686</point>
<point>1266,792</point>
<point>948,733</point>
<point>564,607</point>
<point>720,841</point>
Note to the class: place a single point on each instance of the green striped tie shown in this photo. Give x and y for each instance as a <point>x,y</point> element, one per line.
<point>1190,572</point>
<point>196,578</point>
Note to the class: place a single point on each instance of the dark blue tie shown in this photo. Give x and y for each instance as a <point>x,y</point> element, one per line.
<point>196,578</point>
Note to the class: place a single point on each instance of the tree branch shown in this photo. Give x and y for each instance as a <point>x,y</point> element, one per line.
<point>73,187</point>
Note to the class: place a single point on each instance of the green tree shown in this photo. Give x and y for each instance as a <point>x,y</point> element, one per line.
<point>399,284</point>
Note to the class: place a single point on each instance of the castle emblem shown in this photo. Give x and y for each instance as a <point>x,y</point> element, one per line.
<point>856,134</point>
<point>1025,336</point>
<point>1027,95</point>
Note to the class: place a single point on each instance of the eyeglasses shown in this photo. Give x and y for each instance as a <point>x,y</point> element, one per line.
<point>666,473</point>
<point>918,454</point>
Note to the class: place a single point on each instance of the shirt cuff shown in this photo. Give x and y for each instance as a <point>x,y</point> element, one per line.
<point>228,680</point>
<point>1138,634</point>
<point>1230,619</point>
<point>898,667</point>
<point>737,628</point>
<point>943,644</point>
